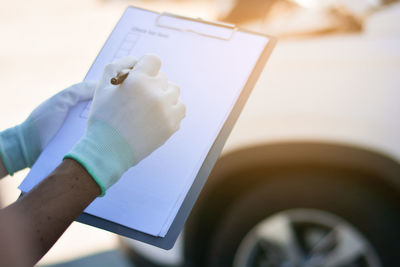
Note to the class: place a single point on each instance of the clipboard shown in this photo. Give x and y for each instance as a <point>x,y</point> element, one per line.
<point>225,33</point>
<point>169,240</point>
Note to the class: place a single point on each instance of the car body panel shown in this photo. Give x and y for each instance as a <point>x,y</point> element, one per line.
<point>334,94</point>
<point>336,90</point>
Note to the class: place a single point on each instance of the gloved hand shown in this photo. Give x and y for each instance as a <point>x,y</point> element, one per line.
<point>129,121</point>
<point>21,146</point>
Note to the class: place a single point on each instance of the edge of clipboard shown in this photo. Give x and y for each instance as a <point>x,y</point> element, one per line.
<point>177,225</point>
<point>216,149</point>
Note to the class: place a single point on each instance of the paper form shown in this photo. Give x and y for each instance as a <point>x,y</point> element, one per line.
<point>210,73</point>
<point>125,49</point>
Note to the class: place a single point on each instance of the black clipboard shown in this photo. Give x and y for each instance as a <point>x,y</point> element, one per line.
<point>168,241</point>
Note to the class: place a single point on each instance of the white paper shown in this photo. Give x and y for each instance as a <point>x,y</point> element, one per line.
<point>210,73</point>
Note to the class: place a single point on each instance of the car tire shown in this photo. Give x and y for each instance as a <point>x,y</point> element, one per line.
<point>373,214</point>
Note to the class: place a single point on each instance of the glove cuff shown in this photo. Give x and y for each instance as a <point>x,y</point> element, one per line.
<point>19,147</point>
<point>104,153</point>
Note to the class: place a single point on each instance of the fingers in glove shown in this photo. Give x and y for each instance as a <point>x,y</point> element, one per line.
<point>148,64</point>
<point>180,111</point>
<point>111,70</point>
<point>86,92</point>
<point>172,93</point>
<point>141,83</point>
<point>74,94</point>
<point>125,63</point>
<point>162,80</point>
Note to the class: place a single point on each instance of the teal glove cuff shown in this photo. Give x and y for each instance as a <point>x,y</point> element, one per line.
<point>19,147</point>
<point>104,153</point>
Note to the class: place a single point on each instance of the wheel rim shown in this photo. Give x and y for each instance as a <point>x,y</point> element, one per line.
<point>305,238</point>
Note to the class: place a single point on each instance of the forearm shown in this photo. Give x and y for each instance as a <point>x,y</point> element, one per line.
<point>52,206</point>
<point>3,170</point>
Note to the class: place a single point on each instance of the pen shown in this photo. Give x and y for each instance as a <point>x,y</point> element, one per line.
<point>120,77</point>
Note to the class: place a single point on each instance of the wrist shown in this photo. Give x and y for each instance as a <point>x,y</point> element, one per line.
<point>3,170</point>
<point>19,147</point>
<point>104,153</point>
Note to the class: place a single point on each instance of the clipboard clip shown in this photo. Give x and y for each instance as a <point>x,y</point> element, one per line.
<point>173,22</point>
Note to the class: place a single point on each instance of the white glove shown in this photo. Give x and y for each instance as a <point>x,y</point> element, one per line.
<point>21,146</point>
<point>127,122</point>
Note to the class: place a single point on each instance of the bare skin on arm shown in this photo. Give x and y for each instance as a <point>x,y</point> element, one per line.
<point>113,143</point>
<point>48,210</point>
<point>3,170</point>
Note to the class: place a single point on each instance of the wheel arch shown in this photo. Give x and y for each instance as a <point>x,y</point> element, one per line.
<point>226,182</point>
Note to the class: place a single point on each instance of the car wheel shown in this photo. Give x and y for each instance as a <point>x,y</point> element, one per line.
<point>308,220</point>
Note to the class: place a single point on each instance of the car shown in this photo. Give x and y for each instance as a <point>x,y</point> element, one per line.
<point>310,175</point>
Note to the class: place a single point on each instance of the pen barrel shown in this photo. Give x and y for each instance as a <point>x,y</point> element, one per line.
<point>119,79</point>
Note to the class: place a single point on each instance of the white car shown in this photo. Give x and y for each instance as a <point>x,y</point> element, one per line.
<point>310,175</point>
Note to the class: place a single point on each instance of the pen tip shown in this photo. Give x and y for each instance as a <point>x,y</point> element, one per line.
<point>114,81</point>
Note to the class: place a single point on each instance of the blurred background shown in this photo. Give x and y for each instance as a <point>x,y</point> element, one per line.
<point>323,119</point>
